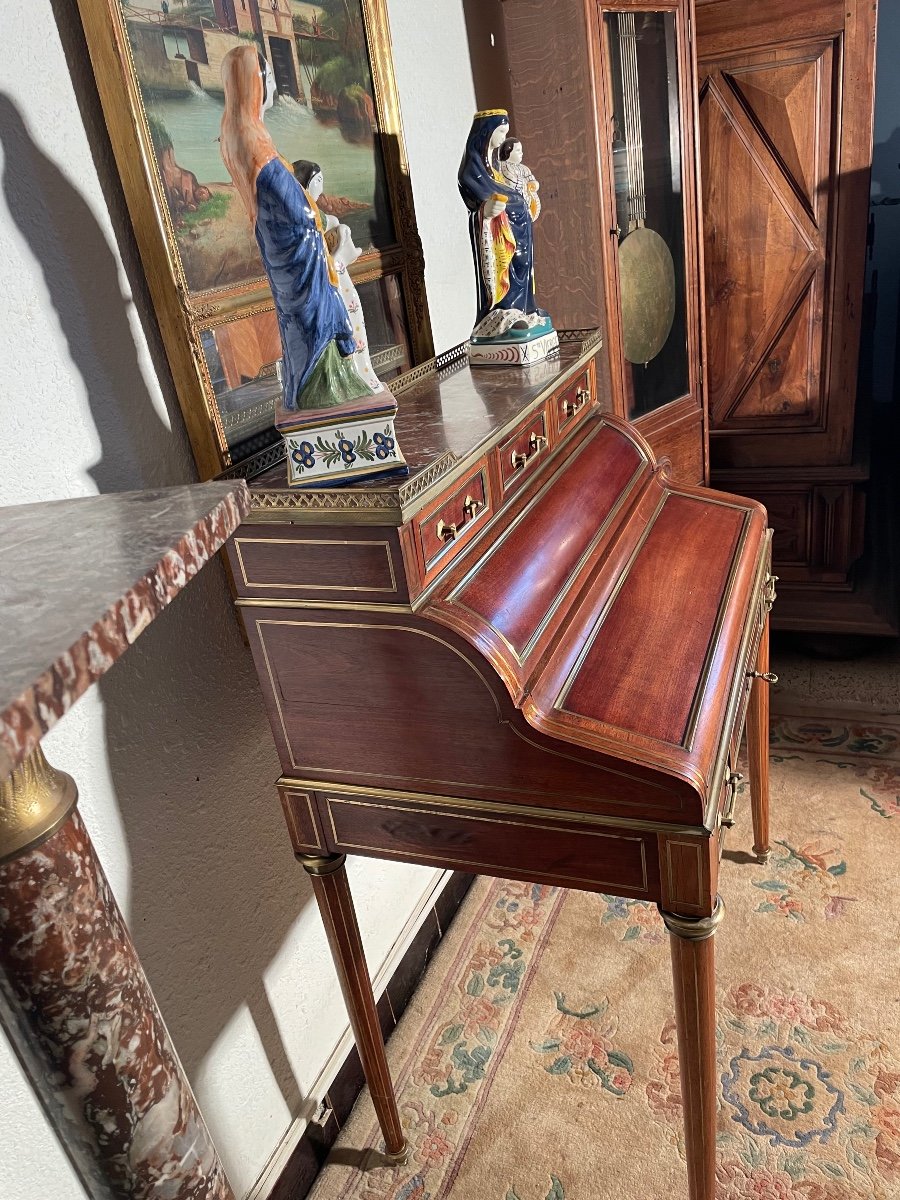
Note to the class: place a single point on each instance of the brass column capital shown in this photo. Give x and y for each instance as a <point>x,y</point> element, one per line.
<point>694,929</point>
<point>34,801</point>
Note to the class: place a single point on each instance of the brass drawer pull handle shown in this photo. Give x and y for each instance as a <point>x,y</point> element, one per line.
<point>769,593</point>
<point>582,396</point>
<point>470,508</point>
<point>732,779</point>
<point>535,443</point>
<point>768,676</point>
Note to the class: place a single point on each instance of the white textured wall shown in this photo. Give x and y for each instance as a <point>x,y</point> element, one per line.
<point>172,752</point>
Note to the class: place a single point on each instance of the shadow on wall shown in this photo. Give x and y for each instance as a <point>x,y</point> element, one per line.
<point>214,889</point>
<point>487,50</point>
<point>83,283</point>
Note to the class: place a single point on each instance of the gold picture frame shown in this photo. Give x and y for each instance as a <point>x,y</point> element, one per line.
<point>156,67</point>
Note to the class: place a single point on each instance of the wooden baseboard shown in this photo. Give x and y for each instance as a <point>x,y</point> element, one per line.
<point>302,1152</point>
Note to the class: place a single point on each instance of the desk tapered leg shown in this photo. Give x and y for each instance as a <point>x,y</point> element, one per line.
<point>332,889</point>
<point>758,747</point>
<point>694,975</point>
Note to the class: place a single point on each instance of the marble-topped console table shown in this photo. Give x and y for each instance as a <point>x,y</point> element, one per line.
<point>79,581</point>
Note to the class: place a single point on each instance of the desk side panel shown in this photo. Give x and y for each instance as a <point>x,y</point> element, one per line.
<point>383,700</point>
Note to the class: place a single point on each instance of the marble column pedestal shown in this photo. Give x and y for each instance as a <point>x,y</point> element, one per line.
<point>74,1000</point>
<point>81,1016</point>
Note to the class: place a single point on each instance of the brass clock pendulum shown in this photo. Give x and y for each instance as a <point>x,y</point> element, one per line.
<point>646,270</point>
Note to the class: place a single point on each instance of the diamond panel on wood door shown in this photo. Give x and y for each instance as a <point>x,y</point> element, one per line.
<point>778,99</point>
<point>786,375</point>
<point>766,161</point>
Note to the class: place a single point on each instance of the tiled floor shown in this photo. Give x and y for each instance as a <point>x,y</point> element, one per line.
<point>816,673</point>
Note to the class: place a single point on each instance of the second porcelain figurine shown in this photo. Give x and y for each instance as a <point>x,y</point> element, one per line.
<point>500,193</point>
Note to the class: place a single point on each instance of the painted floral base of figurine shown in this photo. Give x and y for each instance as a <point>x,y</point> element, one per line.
<point>326,448</point>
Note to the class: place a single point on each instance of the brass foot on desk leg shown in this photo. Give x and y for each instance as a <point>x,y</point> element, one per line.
<point>694,977</point>
<point>329,879</point>
<point>400,1159</point>
<point>762,856</point>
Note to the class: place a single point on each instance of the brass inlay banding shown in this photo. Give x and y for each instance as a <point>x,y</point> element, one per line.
<point>573,816</point>
<point>485,506</point>
<point>295,830</point>
<point>353,625</point>
<point>319,587</point>
<point>35,800</point>
<point>693,716</point>
<point>323,605</point>
<point>686,742</point>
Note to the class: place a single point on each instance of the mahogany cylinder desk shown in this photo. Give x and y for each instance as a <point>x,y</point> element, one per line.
<point>531,658</point>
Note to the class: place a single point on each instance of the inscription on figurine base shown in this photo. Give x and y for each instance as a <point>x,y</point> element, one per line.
<point>337,453</point>
<point>513,354</point>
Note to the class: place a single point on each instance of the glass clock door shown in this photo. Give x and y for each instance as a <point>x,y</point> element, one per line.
<point>647,181</point>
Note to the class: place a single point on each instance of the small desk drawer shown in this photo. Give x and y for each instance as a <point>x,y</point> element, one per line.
<point>288,562</point>
<point>518,455</point>
<point>473,839</point>
<point>452,523</point>
<point>573,404</point>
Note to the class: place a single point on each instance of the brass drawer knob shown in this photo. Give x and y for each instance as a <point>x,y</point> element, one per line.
<point>447,532</point>
<point>768,676</point>
<point>471,507</point>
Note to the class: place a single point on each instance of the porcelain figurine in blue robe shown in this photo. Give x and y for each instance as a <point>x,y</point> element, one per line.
<point>509,325</point>
<point>335,427</point>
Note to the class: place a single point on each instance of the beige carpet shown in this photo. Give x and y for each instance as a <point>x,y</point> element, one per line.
<point>537,1060</point>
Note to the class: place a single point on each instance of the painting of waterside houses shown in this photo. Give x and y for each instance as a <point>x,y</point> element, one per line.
<point>323,112</point>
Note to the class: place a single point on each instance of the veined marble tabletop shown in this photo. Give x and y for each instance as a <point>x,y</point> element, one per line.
<point>81,579</point>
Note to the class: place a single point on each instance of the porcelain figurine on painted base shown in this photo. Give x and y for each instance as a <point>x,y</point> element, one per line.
<point>509,329</point>
<point>336,427</point>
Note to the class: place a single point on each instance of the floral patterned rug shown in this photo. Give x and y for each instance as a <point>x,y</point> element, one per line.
<point>537,1060</point>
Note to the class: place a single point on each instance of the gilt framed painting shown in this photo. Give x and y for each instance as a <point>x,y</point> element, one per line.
<point>157,65</point>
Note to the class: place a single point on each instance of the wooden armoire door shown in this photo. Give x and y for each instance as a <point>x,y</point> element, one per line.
<point>786,104</point>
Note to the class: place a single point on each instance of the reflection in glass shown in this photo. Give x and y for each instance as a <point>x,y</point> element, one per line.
<point>647,173</point>
<point>243,358</point>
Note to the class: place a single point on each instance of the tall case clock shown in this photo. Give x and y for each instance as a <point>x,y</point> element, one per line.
<point>604,102</point>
